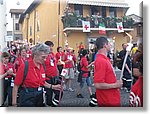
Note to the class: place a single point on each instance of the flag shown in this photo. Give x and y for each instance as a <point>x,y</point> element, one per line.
<point>102,28</point>
<point>64,72</point>
<point>120,27</point>
<point>86,26</point>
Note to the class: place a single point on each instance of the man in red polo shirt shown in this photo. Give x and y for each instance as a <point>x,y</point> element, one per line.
<point>31,93</point>
<point>52,77</point>
<point>106,84</point>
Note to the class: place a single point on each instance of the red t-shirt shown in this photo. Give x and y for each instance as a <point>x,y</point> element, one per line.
<point>58,56</point>
<point>104,74</point>
<point>5,68</point>
<point>51,67</point>
<point>35,76</point>
<point>68,56</point>
<point>136,94</point>
<point>84,64</point>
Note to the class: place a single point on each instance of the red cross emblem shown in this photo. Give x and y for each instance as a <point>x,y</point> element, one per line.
<point>120,28</point>
<point>86,27</point>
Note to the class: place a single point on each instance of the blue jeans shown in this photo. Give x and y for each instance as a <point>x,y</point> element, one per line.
<point>87,80</point>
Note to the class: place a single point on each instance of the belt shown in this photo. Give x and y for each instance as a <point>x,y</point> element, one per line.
<point>7,78</point>
<point>33,89</point>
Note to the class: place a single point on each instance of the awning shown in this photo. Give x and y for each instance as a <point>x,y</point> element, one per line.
<point>108,3</point>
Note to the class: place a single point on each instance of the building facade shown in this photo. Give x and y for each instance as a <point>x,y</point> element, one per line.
<point>2,24</point>
<point>61,21</point>
<point>16,33</point>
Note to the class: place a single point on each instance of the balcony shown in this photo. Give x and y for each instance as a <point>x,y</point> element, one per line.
<point>73,21</point>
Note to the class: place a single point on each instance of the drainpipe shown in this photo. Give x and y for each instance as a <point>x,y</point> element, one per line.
<point>34,25</point>
<point>58,21</point>
<point>27,17</point>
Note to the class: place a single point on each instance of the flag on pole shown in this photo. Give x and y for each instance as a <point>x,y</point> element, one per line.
<point>120,27</point>
<point>86,26</point>
<point>64,72</point>
<point>102,28</point>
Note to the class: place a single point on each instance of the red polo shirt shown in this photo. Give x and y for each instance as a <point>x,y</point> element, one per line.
<point>84,64</point>
<point>68,56</point>
<point>35,76</point>
<point>21,61</point>
<point>5,68</point>
<point>104,74</point>
<point>51,67</point>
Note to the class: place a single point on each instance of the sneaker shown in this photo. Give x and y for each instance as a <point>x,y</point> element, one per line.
<point>80,96</point>
<point>128,90</point>
<point>64,88</point>
<point>71,90</point>
<point>92,96</point>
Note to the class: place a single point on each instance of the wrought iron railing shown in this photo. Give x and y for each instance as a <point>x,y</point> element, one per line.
<point>71,20</point>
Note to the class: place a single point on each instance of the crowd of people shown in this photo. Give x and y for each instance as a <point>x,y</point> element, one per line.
<point>32,77</point>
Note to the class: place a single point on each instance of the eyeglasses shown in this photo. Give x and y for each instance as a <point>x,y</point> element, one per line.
<point>43,56</point>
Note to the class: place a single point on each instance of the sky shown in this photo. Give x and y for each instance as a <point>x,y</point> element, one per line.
<point>10,4</point>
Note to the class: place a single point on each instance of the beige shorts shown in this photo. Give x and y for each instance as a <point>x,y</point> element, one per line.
<point>69,74</point>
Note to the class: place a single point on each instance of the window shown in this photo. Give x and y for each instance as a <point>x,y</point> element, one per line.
<point>30,30</point>
<point>103,11</point>
<point>1,2</point>
<point>38,25</point>
<point>139,30</point>
<point>112,12</point>
<point>16,16</point>
<point>17,38</point>
<point>78,9</point>
<point>17,26</point>
<point>94,10</point>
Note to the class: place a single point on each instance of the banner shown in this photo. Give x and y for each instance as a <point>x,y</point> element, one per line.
<point>120,27</point>
<point>86,26</point>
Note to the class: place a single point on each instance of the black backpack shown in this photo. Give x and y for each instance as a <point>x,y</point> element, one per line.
<point>119,64</point>
<point>79,67</point>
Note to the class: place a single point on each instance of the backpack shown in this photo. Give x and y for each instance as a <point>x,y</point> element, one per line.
<point>119,64</point>
<point>79,66</point>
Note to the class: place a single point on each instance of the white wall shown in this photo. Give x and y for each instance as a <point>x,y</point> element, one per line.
<point>2,24</point>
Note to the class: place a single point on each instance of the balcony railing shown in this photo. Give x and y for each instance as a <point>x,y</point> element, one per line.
<point>71,20</point>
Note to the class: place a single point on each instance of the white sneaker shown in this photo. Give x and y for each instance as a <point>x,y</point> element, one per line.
<point>71,90</point>
<point>64,88</point>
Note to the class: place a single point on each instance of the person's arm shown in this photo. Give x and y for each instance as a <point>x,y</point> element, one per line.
<point>128,68</point>
<point>14,95</point>
<point>55,87</point>
<point>90,64</point>
<point>117,84</point>
<point>3,75</point>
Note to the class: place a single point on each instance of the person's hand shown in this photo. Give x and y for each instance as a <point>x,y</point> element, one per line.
<point>119,83</point>
<point>10,72</point>
<point>57,87</point>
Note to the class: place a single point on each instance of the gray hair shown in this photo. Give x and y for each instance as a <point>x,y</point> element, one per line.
<point>40,48</point>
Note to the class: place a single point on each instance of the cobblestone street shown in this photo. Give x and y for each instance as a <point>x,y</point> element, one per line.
<point>70,100</point>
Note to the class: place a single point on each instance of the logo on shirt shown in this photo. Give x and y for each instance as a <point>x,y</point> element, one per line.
<point>43,75</point>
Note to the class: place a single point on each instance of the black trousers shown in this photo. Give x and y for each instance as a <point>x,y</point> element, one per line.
<point>52,96</point>
<point>7,91</point>
<point>127,80</point>
<point>60,67</point>
<point>30,97</point>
